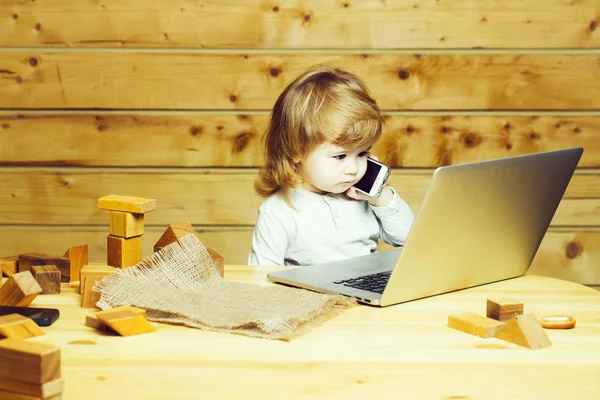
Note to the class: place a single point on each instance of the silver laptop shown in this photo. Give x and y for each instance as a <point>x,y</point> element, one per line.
<point>478,223</point>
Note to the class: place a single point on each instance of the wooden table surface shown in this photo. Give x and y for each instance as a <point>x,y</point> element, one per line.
<point>400,352</point>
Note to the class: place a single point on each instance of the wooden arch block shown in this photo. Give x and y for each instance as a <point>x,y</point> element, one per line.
<point>525,330</point>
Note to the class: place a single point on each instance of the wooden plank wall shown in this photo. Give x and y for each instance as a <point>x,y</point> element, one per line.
<point>169,100</point>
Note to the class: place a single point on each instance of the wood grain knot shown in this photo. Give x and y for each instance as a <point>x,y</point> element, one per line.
<point>233,98</point>
<point>38,27</point>
<point>576,130</point>
<point>196,130</point>
<point>275,9</point>
<point>307,17</point>
<point>471,139</point>
<point>573,249</point>
<point>274,72</point>
<point>15,16</point>
<point>507,127</point>
<point>19,79</point>
<point>241,142</point>
<point>593,25</point>
<point>534,136</point>
<point>403,74</point>
<point>33,62</point>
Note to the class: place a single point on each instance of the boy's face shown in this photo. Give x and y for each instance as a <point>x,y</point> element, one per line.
<point>332,169</point>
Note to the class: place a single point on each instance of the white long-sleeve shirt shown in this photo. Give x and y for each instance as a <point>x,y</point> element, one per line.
<point>324,228</point>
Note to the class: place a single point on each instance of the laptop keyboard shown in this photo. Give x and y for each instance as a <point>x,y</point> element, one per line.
<point>372,283</point>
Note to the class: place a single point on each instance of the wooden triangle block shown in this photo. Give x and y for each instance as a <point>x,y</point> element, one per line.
<point>525,330</point>
<point>9,265</point>
<point>18,326</point>
<point>124,321</point>
<point>173,233</point>
<point>78,255</point>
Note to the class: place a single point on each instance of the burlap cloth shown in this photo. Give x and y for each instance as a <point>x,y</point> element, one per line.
<point>180,285</point>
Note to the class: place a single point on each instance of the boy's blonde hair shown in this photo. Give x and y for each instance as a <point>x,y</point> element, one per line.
<point>323,104</point>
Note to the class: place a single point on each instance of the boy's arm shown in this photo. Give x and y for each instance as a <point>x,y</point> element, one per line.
<point>269,241</point>
<point>395,217</point>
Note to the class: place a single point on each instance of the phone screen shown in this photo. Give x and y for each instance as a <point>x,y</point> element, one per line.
<point>366,182</point>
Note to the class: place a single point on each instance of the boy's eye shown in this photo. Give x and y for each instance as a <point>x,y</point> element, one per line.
<point>363,153</point>
<point>340,156</point>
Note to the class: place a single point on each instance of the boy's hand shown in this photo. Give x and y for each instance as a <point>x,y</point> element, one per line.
<point>384,197</point>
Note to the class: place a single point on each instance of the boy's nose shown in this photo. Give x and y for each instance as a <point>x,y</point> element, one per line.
<point>351,167</point>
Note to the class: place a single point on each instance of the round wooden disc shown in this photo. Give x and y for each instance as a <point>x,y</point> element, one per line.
<point>558,322</point>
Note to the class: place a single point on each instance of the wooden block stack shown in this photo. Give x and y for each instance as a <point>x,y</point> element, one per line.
<point>505,320</point>
<point>126,227</point>
<point>29,370</point>
<point>177,231</point>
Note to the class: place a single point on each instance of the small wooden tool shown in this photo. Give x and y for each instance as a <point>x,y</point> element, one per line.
<point>558,322</point>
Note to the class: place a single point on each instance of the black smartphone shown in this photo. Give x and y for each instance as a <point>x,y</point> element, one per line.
<point>374,179</point>
<point>41,316</point>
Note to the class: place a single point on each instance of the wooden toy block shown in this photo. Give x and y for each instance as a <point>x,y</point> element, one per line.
<point>48,277</point>
<point>25,391</point>
<point>176,231</point>
<point>18,326</point>
<point>525,330</point>
<point>173,233</point>
<point>93,269</point>
<point>123,252</point>
<point>503,309</point>
<point>138,205</point>
<point>125,322</point>
<point>89,298</point>
<point>29,362</point>
<point>19,290</point>
<point>218,261</point>
<point>9,265</point>
<point>93,322</point>
<point>475,324</point>
<point>125,225</point>
<point>78,256</point>
<point>28,260</point>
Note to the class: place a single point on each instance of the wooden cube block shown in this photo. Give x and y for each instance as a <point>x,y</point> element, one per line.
<point>93,269</point>
<point>93,322</point>
<point>18,326</point>
<point>122,252</point>
<point>19,290</point>
<point>125,322</point>
<point>475,324</point>
<point>29,362</point>
<point>48,277</point>
<point>9,265</point>
<point>503,309</point>
<point>16,390</point>
<point>78,257</point>
<point>137,205</point>
<point>28,260</point>
<point>524,330</point>
<point>125,224</point>
<point>218,261</point>
<point>89,298</point>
